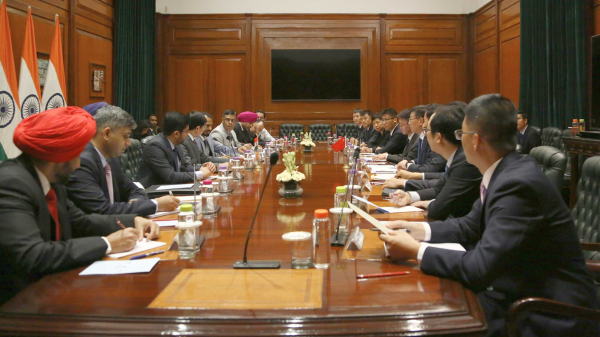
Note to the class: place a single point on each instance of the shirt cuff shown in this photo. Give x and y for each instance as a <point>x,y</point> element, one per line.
<point>156,203</point>
<point>109,249</point>
<point>386,155</point>
<point>408,165</point>
<point>199,175</point>
<point>422,176</point>
<point>427,231</point>
<point>421,251</point>
<point>414,197</point>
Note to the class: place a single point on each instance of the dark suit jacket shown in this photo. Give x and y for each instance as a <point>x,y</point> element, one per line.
<point>375,139</point>
<point>244,136</point>
<point>521,241</point>
<point>396,143</point>
<point>212,145</point>
<point>27,230</point>
<point>434,162</point>
<point>455,195</point>
<point>191,154</point>
<point>409,152</point>
<point>532,139</point>
<point>366,134</point>
<point>158,165</point>
<point>88,190</point>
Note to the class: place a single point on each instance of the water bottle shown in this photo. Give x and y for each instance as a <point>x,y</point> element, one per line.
<point>321,239</point>
<point>575,128</point>
<point>208,197</point>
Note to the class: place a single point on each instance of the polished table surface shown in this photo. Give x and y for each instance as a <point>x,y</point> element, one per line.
<point>414,304</point>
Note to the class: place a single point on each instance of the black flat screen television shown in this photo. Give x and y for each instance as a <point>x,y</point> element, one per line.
<point>315,74</point>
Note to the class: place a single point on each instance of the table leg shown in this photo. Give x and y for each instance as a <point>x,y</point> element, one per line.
<point>574,178</point>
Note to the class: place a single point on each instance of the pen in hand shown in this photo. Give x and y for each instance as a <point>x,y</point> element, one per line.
<point>120,224</point>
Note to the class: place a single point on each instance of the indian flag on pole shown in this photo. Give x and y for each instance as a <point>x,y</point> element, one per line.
<point>29,79</point>
<point>10,114</point>
<point>54,95</point>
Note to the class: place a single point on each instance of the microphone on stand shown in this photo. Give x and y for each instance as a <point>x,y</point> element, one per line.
<point>339,239</point>
<point>264,264</point>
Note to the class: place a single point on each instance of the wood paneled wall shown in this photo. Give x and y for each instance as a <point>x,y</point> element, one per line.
<point>218,62</point>
<point>87,37</point>
<point>496,36</point>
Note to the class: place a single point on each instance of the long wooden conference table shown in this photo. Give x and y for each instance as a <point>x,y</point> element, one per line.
<point>414,304</point>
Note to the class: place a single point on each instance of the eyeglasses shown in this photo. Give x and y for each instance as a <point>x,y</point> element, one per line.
<point>385,120</point>
<point>228,120</point>
<point>403,125</point>
<point>459,133</point>
<point>425,130</point>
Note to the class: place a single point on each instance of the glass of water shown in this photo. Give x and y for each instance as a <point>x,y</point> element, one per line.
<point>302,249</point>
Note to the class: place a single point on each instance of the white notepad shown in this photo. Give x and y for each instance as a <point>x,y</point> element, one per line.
<point>173,187</point>
<point>404,209</point>
<point>120,267</point>
<point>140,246</point>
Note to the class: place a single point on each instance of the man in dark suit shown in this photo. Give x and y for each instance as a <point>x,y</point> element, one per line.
<point>216,152</point>
<point>528,138</point>
<point>411,149</point>
<point>458,189</point>
<point>243,127</point>
<point>428,162</point>
<point>357,120</point>
<point>398,140</point>
<point>99,185</point>
<point>41,231</point>
<point>189,150</point>
<point>519,236</point>
<point>154,122</point>
<point>161,162</point>
<point>366,120</point>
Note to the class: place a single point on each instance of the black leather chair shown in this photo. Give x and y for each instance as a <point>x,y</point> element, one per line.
<point>319,131</point>
<point>346,129</point>
<point>290,128</point>
<point>552,162</point>
<point>586,215</point>
<point>130,159</point>
<point>551,136</point>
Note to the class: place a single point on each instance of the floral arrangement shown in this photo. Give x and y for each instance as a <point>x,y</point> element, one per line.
<point>307,141</point>
<point>291,170</point>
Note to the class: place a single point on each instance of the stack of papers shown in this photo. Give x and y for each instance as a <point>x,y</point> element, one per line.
<point>404,209</point>
<point>383,169</point>
<point>159,214</point>
<point>384,176</point>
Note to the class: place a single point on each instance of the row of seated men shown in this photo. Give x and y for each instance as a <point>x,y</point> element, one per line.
<point>518,234</point>
<point>69,184</point>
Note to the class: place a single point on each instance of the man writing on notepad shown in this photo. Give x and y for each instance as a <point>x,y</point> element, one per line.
<point>519,236</point>
<point>99,185</point>
<point>41,231</point>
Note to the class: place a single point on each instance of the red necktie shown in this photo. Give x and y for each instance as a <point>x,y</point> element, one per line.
<point>52,206</point>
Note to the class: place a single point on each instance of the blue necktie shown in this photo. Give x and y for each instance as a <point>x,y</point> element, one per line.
<point>446,173</point>
<point>420,142</point>
<point>521,138</point>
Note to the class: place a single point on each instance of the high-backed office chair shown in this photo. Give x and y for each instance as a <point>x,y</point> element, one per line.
<point>2,154</point>
<point>551,137</point>
<point>346,129</point>
<point>130,159</point>
<point>552,162</point>
<point>288,129</point>
<point>319,131</point>
<point>537,128</point>
<point>586,215</point>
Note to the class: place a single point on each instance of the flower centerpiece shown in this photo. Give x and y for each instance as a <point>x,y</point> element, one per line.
<point>290,177</point>
<point>307,142</point>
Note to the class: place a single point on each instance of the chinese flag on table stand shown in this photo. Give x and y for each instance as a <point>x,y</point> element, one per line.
<point>54,95</point>
<point>339,145</point>
<point>29,85</point>
<point>10,114</point>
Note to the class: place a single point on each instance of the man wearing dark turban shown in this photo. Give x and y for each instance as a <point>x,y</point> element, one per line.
<point>41,231</point>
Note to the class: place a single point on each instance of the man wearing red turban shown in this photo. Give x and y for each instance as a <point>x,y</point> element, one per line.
<point>41,231</point>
